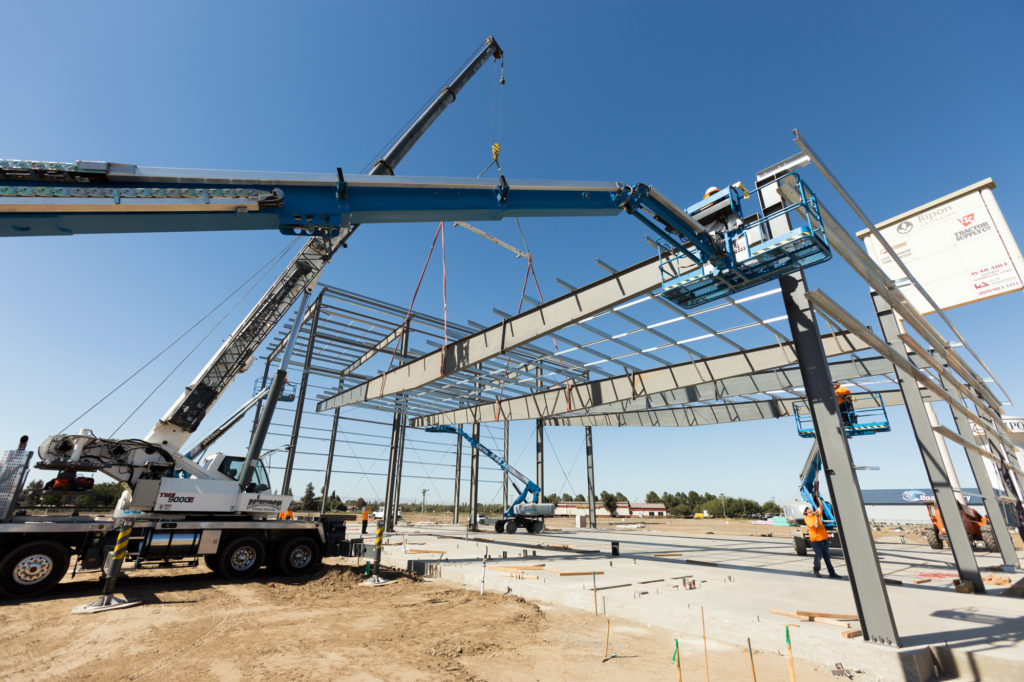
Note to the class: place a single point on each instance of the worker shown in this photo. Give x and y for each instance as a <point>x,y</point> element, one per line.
<point>366,518</point>
<point>845,401</point>
<point>819,538</point>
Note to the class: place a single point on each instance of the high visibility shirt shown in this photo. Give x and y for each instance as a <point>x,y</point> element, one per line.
<point>366,514</point>
<point>843,396</point>
<point>816,527</point>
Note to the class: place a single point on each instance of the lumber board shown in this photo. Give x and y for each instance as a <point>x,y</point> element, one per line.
<point>426,551</point>
<point>850,634</point>
<point>513,567</point>
<point>918,581</point>
<point>667,554</point>
<point>701,563</point>
<point>833,622</point>
<point>610,587</point>
<point>565,573</point>
<point>789,614</point>
<point>826,614</point>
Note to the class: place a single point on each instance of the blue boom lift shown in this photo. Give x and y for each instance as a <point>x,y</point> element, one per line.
<point>809,494</point>
<point>521,513</point>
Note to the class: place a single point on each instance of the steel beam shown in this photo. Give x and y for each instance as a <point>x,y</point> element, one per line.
<point>704,415</point>
<point>458,477</point>
<point>591,394</point>
<point>504,476</point>
<point>959,542</point>
<point>750,384</point>
<point>300,400</point>
<point>988,493</point>
<point>474,481</point>
<point>591,496</point>
<point>540,457</point>
<point>378,347</point>
<point>869,593</point>
<point>500,338</point>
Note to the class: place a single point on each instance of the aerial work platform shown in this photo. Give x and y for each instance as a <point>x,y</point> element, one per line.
<point>864,421</point>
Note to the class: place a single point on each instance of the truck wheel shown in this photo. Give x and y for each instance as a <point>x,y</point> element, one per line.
<point>511,526</point>
<point>932,536</point>
<point>537,526</point>
<point>297,556</point>
<point>499,526</point>
<point>33,568</point>
<point>800,545</point>
<point>988,536</point>
<point>240,558</point>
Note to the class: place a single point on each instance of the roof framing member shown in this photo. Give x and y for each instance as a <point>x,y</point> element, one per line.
<point>502,337</point>
<point>627,387</point>
<point>702,415</point>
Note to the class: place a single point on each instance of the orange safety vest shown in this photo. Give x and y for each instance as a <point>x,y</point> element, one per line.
<point>816,527</point>
<point>843,397</point>
<point>366,514</point>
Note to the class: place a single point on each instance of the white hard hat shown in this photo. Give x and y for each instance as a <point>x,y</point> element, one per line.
<point>711,190</point>
<point>805,507</point>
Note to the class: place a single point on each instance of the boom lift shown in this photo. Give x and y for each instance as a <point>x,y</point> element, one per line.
<point>521,513</point>
<point>809,493</point>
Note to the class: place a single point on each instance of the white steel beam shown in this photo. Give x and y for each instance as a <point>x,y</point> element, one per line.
<point>703,415</point>
<point>588,395</point>
<point>506,335</point>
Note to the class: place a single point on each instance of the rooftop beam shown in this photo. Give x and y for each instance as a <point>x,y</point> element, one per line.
<point>703,415</point>
<point>638,385</point>
<point>523,328</point>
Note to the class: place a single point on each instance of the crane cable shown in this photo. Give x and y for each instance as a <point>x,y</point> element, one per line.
<point>408,314</point>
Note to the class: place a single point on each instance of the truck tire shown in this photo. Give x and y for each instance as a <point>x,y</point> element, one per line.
<point>933,537</point>
<point>511,526</point>
<point>499,526</point>
<point>297,555</point>
<point>211,561</point>
<point>33,568</point>
<point>240,558</point>
<point>537,526</point>
<point>800,545</point>
<point>988,536</point>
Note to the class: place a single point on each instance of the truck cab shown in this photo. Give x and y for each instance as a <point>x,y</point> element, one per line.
<point>231,466</point>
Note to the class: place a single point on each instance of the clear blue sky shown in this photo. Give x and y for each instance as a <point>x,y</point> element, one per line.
<point>906,101</point>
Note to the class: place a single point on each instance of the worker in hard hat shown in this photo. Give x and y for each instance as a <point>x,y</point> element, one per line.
<point>718,218</point>
<point>819,538</point>
<point>845,401</point>
<point>366,518</point>
<point>711,190</point>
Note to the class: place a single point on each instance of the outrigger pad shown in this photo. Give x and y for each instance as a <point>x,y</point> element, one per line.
<point>107,602</point>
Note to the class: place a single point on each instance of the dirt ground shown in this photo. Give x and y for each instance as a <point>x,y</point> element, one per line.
<point>194,625</point>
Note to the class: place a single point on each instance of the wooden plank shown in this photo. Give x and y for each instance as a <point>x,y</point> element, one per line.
<point>825,614</point>
<point>789,614</point>
<point>610,587</point>
<point>833,622</point>
<point>513,567</point>
<point>701,563</point>
<point>667,554</point>
<point>425,551</point>
<point>918,581</point>
<point>850,634</point>
<point>892,581</point>
<point>564,573</point>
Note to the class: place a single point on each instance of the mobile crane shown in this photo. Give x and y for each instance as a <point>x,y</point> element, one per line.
<point>178,506</point>
<point>700,262</point>
<point>522,513</point>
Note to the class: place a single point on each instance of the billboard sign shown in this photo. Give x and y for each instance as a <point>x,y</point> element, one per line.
<point>958,247</point>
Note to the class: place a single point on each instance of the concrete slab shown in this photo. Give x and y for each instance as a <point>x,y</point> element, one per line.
<point>738,580</point>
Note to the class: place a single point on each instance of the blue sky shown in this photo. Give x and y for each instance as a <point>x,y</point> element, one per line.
<point>905,101</point>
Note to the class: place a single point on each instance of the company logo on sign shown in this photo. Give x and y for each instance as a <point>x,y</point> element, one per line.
<point>916,496</point>
<point>966,220</point>
<point>904,227</point>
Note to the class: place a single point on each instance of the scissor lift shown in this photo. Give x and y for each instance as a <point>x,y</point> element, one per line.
<point>865,421</point>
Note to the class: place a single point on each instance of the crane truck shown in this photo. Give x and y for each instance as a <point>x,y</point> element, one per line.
<point>177,506</point>
<point>176,503</point>
<point>522,513</point>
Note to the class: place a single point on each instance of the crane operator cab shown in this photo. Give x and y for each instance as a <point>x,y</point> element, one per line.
<point>231,466</point>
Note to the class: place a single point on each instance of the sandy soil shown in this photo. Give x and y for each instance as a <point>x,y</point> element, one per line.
<point>193,625</point>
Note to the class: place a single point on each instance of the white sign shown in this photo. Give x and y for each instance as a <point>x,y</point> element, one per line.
<point>958,247</point>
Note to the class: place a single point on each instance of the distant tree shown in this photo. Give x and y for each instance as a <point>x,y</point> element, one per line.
<point>619,497</point>
<point>771,508</point>
<point>552,498</point>
<point>308,497</point>
<point>566,497</point>
<point>652,498</point>
<point>693,499</point>
<point>580,498</point>
<point>359,504</point>
<point>609,502</point>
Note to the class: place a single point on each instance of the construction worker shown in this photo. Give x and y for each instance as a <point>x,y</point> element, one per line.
<point>819,538</point>
<point>366,518</point>
<point>845,401</point>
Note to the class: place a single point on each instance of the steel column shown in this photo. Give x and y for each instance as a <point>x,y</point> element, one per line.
<point>869,593</point>
<point>300,400</point>
<point>591,499</point>
<point>389,489</point>
<point>474,480</point>
<point>330,462</point>
<point>259,405</point>
<point>504,482</point>
<point>458,477</point>
<point>540,458</point>
<point>988,493</point>
<point>959,542</point>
